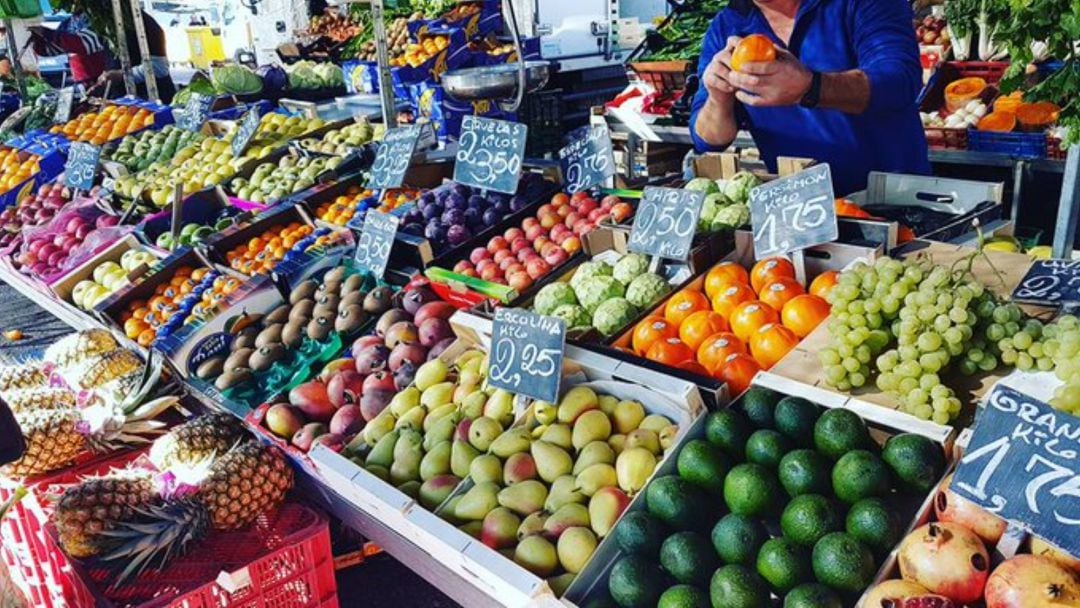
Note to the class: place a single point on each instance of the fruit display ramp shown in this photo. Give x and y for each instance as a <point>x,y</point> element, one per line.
<point>481,566</point>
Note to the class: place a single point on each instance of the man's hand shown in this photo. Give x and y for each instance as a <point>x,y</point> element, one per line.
<point>715,76</point>
<point>781,82</point>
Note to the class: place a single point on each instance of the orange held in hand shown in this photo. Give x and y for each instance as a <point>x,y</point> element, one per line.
<point>753,48</point>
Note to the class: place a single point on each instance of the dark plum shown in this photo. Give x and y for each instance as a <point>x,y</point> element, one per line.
<point>453,217</point>
<point>460,190</point>
<point>458,234</point>
<point>433,210</point>
<point>517,203</point>
<point>474,217</point>
<point>492,217</point>
<point>435,232</point>
<point>456,201</point>
<point>477,201</point>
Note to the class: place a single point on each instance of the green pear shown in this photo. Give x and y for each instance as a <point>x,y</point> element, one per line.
<point>627,416</point>
<point>379,471</point>
<point>608,404</point>
<point>378,428</point>
<point>593,425</point>
<point>563,491</point>
<point>518,468</point>
<point>576,402</point>
<point>634,466</point>
<point>430,373</point>
<point>654,423</point>
<point>410,488</point>
<point>472,528</point>
<point>435,490</point>
<point>500,528</point>
<point>383,452</point>
<point>593,453</point>
<point>568,516</point>
<point>668,435</point>
<point>461,457</point>
<point>442,412</point>
<point>408,453</point>
<point>524,498</point>
<point>436,461</point>
<point>617,443</point>
<point>442,430</point>
<point>552,461</point>
<point>532,525</point>
<point>605,507</point>
<point>595,477</point>
<point>473,405</point>
<point>560,435</point>
<point>511,442</point>
<point>469,359</point>
<point>486,468</point>
<point>404,401</point>
<point>575,547</point>
<point>412,419</point>
<point>436,395</point>
<point>561,582</point>
<point>643,438</point>
<point>477,502</point>
<point>483,431</point>
<point>544,412</point>
<point>537,555</point>
<point>500,407</point>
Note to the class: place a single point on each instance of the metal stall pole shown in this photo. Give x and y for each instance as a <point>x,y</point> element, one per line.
<point>144,48</point>
<point>121,47</point>
<point>14,56</point>
<point>382,56</point>
<point>1069,207</point>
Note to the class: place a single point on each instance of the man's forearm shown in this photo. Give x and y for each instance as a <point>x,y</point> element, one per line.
<point>715,124</point>
<point>848,92</point>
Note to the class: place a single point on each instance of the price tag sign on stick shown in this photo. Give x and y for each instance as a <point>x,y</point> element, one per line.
<point>793,212</point>
<point>490,154</point>
<point>81,167</point>
<point>392,157</point>
<point>588,162</point>
<point>64,100</point>
<point>375,242</point>
<point>245,130</point>
<point>665,222</point>
<point>1050,282</point>
<point>196,111</point>
<point>1023,464</point>
<point>526,353</point>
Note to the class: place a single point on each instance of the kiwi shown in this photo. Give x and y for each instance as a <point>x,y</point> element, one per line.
<point>319,328</point>
<point>350,319</point>
<point>334,275</point>
<point>302,291</point>
<point>323,310</point>
<point>329,300</point>
<point>232,378</point>
<point>246,339</point>
<point>331,288</point>
<point>352,284</point>
<point>269,335</point>
<point>263,358</point>
<point>211,368</point>
<point>293,333</point>
<point>279,315</point>
<point>301,310</point>
<point>238,359</point>
<point>351,298</point>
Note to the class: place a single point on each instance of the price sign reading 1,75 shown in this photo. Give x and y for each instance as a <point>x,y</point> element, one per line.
<point>490,154</point>
<point>665,222</point>
<point>376,241</point>
<point>1023,464</point>
<point>393,156</point>
<point>793,212</point>
<point>526,353</point>
<point>588,161</point>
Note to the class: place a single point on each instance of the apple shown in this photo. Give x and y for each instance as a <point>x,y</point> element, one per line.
<point>544,210</point>
<point>462,266</point>
<point>519,281</point>
<point>537,268</point>
<point>507,262</point>
<point>512,268</point>
<point>518,244</point>
<point>479,254</point>
<point>548,220</point>
<point>579,196</point>
<point>621,212</point>
<point>503,254</point>
<point>573,218</point>
<point>485,264</point>
<point>496,243</point>
<point>512,234</point>
<point>556,256</point>
<point>610,201</point>
<point>470,272</point>
<point>563,211</point>
<point>490,273</point>
<point>584,228</point>
<point>538,244</point>
<point>534,231</point>
<point>529,222</point>
<point>572,245</point>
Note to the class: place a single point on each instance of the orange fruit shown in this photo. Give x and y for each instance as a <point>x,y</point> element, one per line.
<point>669,351</point>
<point>717,348</point>
<point>693,367</point>
<point>649,330</point>
<point>768,270</point>
<point>731,295</point>
<point>133,327</point>
<point>724,272</point>
<point>770,343</point>
<point>146,338</point>
<point>803,313</point>
<point>753,48</point>
<point>683,304</point>
<point>748,317</point>
<point>699,326</point>
<point>738,372</point>
<point>780,292</point>
<point>824,283</point>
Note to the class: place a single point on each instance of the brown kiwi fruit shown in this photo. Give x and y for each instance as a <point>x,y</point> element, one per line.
<point>329,300</point>
<point>334,275</point>
<point>211,368</point>
<point>293,333</point>
<point>319,328</point>
<point>239,358</point>
<point>301,310</point>
<point>302,291</point>
<point>351,298</point>
<point>279,315</point>
<point>262,359</point>
<point>246,339</point>
<point>350,319</point>
<point>269,335</point>
<point>232,378</point>
<point>352,284</point>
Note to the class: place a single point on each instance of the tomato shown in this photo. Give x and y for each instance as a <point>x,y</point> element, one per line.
<point>770,343</point>
<point>649,330</point>
<point>738,372</point>
<point>683,304</point>
<point>670,351</point>
<point>749,316</point>
<point>824,283</point>
<point>768,270</point>
<point>731,295</point>
<point>724,272</point>
<point>753,48</point>
<point>780,292</point>
<point>699,326</point>
<point>717,348</point>
<point>804,313</point>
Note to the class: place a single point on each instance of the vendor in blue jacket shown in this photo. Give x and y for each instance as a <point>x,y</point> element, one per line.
<point>841,89</point>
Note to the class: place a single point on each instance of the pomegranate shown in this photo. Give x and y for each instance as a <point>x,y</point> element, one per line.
<point>922,601</point>
<point>1045,549</point>
<point>887,593</point>
<point>951,507</point>
<point>947,559</point>
<point>1032,581</point>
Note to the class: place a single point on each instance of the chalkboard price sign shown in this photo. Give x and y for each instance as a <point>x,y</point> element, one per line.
<point>589,161</point>
<point>375,242</point>
<point>64,100</point>
<point>526,353</point>
<point>1023,464</point>
<point>665,222</point>
<point>392,157</point>
<point>81,167</point>
<point>490,154</point>
<point>793,212</point>
<point>1050,282</point>
<point>245,130</point>
<point>196,111</point>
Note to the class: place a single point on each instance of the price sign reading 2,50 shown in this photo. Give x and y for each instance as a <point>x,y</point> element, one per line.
<point>526,353</point>
<point>665,222</point>
<point>490,154</point>
<point>1022,464</point>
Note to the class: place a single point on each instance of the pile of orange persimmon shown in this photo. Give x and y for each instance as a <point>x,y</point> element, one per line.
<point>737,324</point>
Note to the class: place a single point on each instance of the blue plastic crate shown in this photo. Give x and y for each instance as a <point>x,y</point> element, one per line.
<point>1017,145</point>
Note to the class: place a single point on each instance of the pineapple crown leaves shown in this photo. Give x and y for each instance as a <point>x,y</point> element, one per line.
<point>160,535</point>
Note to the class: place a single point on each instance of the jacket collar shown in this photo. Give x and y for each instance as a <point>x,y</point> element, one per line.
<point>745,7</point>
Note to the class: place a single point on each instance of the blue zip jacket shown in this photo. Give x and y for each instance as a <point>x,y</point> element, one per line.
<point>875,36</point>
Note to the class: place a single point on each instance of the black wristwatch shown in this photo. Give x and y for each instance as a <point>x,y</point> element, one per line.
<point>812,97</point>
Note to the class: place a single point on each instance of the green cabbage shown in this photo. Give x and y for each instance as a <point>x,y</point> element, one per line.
<point>596,290</point>
<point>701,184</point>
<point>574,315</point>
<point>647,289</point>
<point>553,296</point>
<point>613,315</point>
<point>731,217</point>
<point>739,186</point>
<point>629,267</point>
<point>310,75</point>
<point>235,79</point>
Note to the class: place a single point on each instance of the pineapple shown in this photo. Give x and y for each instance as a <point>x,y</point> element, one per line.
<point>53,441</point>
<point>196,440</point>
<point>81,346</point>
<point>41,399</point>
<point>118,365</point>
<point>87,511</point>
<point>21,377</point>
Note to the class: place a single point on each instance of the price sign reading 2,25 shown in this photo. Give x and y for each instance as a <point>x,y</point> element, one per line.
<point>526,353</point>
<point>490,154</point>
<point>665,222</point>
<point>1023,464</point>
